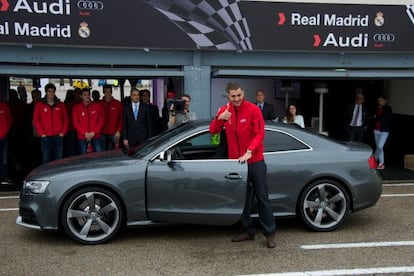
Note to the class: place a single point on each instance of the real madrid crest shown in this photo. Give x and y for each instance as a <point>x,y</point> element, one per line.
<point>379,19</point>
<point>84,30</point>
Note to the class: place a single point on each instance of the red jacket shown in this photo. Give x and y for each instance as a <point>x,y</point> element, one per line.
<point>5,119</point>
<point>244,130</point>
<point>50,120</point>
<point>114,111</point>
<point>88,118</point>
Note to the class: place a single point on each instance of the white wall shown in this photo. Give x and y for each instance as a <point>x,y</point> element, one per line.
<point>400,96</point>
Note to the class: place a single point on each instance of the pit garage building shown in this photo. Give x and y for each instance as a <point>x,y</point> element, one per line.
<point>316,54</point>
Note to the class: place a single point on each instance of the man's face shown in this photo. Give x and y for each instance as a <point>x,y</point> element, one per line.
<point>86,97</point>
<point>134,96</point>
<point>145,98</point>
<point>260,97</point>
<point>35,96</point>
<point>360,99</point>
<point>186,102</point>
<point>107,93</point>
<point>50,94</point>
<point>236,96</point>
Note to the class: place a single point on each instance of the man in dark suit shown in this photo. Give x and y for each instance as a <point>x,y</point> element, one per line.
<point>268,111</point>
<point>156,120</point>
<point>137,125</point>
<point>356,119</point>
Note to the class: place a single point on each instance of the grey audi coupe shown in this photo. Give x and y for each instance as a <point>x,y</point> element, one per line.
<point>181,176</point>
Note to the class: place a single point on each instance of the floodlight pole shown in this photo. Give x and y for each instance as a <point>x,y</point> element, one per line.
<point>321,91</point>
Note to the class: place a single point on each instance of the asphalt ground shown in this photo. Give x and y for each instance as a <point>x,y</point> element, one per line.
<point>375,241</point>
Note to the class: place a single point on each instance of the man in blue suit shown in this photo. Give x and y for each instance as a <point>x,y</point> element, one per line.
<point>268,111</point>
<point>137,126</point>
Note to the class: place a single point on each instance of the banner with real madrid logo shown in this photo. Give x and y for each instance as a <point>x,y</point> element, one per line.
<point>208,24</point>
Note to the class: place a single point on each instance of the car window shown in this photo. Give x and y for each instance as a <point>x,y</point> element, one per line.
<point>197,147</point>
<point>279,141</point>
<point>158,141</point>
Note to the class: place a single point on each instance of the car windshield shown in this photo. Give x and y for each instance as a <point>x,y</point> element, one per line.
<point>156,141</point>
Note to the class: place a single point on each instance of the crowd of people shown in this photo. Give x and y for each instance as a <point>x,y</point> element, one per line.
<point>49,129</point>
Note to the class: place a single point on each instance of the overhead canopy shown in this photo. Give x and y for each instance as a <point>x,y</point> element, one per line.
<point>304,73</point>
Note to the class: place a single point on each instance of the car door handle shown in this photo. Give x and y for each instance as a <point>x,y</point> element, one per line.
<point>233,176</point>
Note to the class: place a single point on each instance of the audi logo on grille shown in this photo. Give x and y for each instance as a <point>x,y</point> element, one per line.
<point>384,37</point>
<point>90,5</point>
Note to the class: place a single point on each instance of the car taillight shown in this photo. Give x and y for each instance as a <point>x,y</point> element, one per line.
<point>372,162</point>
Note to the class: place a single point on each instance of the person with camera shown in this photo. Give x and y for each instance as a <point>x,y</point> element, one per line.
<point>180,111</point>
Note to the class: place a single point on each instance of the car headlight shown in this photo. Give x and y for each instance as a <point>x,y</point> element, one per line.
<point>36,186</point>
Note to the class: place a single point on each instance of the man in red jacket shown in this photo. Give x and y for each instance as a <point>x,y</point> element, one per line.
<point>244,126</point>
<point>5,125</point>
<point>51,121</point>
<point>88,120</point>
<point>114,112</point>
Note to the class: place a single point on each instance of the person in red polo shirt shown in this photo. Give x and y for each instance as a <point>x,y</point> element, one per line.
<point>244,127</point>
<point>50,119</point>
<point>88,120</point>
<point>113,110</point>
<point>5,125</point>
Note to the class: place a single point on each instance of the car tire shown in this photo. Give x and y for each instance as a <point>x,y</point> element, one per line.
<point>92,215</point>
<point>324,205</point>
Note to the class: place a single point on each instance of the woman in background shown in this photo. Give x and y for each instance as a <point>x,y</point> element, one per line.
<point>382,124</point>
<point>292,116</point>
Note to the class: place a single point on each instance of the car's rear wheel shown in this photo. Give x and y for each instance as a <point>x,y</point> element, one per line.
<point>324,205</point>
<point>92,215</point>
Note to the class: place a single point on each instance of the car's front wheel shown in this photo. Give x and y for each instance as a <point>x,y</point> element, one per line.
<point>324,205</point>
<point>92,215</point>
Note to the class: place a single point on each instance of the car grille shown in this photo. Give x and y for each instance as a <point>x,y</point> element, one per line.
<point>28,216</point>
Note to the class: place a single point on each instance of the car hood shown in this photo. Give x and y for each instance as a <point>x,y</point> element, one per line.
<point>81,162</point>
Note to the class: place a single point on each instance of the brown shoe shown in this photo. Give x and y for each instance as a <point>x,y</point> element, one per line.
<point>243,237</point>
<point>270,241</point>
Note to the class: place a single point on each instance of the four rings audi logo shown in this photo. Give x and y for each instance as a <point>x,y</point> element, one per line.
<point>384,37</point>
<point>90,5</point>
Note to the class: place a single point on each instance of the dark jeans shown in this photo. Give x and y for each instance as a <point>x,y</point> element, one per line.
<point>97,144</point>
<point>70,147</point>
<point>109,141</point>
<point>3,157</point>
<point>52,148</point>
<point>356,133</point>
<point>257,186</point>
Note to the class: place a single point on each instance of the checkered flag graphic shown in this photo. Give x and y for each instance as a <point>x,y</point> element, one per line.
<point>410,12</point>
<point>216,24</point>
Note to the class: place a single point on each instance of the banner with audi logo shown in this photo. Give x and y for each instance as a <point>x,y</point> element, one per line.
<point>208,24</point>
<point>90,5</point>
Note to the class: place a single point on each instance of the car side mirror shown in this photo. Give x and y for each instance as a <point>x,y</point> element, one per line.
<point>165,155</point>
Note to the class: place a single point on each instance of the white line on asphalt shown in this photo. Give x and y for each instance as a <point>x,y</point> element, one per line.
<point>357,244</point>
<point>8,209</point>
<point>9,197</point>
<point>398,184</point>
<point>337,272</point>
<point>396,195</point>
